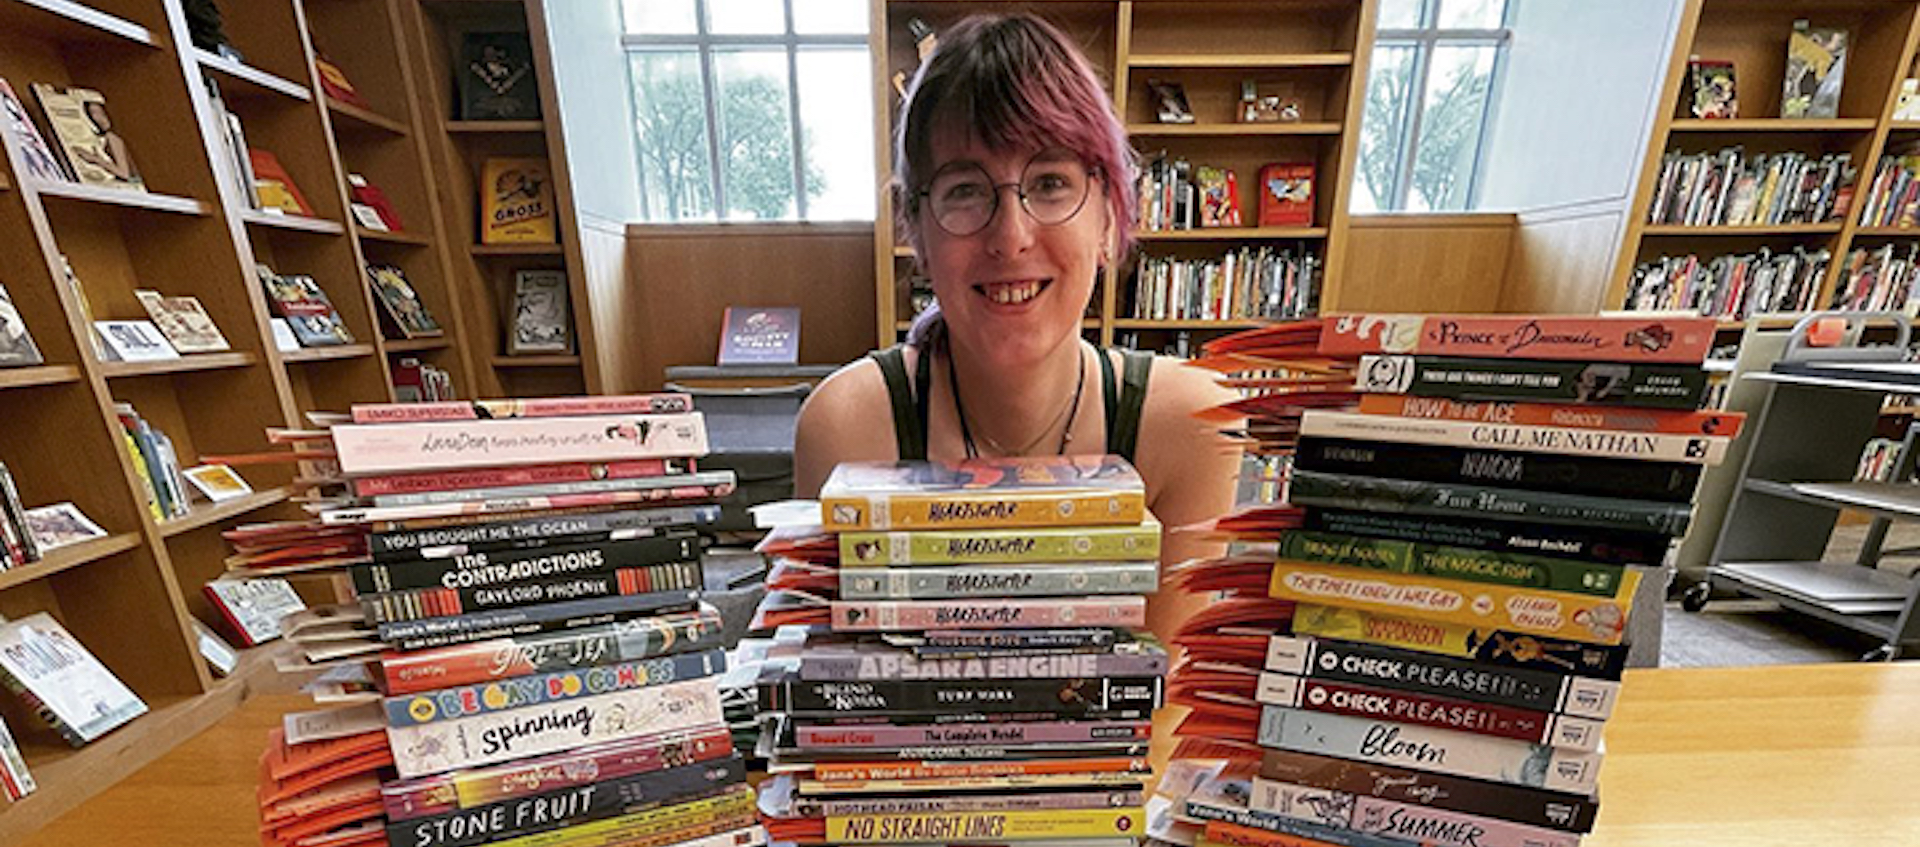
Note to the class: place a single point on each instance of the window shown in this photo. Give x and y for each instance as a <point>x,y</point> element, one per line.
<point>725,91</point>
<point>1435,65</point>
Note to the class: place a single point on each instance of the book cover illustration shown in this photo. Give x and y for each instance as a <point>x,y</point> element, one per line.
<point>497,78</point>
<point>305,307</point>
<point>77,694</point>
<point>218,482</point>
<point>184,322</point>
<point>1816,67</point>
<point>274,187</point>
<point>371,207</point>
<point>1219,196</point>
<point>255,607</point>
<point>16,344</point>
<point>1286,194</point>
<point>1170,102</point>
<point>134,341</point>
<point>59,525</point>
<point>757,335</point>
<point>541,317</point>
<point>516,202</point>
<point>39,159</point>
<point>400,303</point>
<point>1010,491</point>
<point>96,153</point>
<point>1714,94</point>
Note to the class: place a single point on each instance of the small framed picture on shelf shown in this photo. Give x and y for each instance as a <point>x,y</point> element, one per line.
<point>60,525</point>
<point>134,341</point>
<point>218,482</point>
<point>497,82</point>
<point>1170,102</point>
<point>541,315</point>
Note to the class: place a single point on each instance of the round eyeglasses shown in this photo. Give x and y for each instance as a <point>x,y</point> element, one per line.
<point>963,198</point>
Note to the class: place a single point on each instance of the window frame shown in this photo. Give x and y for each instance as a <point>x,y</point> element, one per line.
<point>1424,39</point>
<point>704,43</point>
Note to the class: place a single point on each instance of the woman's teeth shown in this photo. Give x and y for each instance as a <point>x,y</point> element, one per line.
<point>1010,293</point>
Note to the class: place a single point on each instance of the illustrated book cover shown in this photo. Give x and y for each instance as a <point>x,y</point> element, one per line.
<point>760,335</point>
<point>400,303</point>
<point>93,150</point>
<point>65,684</point>
<point>497,81</point>
<point>541,316</point>
<point>516,202</point>
<point>299,300</point>
<point>184,322</point>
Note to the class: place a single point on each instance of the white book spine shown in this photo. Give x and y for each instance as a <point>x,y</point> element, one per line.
<point>1600,443</point>
<point>389,448</point>
<point>1423,748</point>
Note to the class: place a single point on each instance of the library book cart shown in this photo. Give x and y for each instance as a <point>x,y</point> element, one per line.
<point>1816,410</point>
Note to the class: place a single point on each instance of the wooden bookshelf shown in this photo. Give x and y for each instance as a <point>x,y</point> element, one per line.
<point>141,200</point>
<point>184,364</point>
<point>353,117</point>
<point>1882,39</point>
<point>490,127</point>
<point>328,354</point>
<point>1319,52</point>
<point>208,514</point>
<point>39,375</point>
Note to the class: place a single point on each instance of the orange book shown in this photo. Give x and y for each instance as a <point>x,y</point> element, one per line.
<point>274,187</point>
<point>1576,416</point>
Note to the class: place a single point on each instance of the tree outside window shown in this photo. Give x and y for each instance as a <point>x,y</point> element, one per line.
<point>1429,91</point>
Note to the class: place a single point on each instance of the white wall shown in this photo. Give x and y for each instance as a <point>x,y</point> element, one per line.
<point>590,73</point>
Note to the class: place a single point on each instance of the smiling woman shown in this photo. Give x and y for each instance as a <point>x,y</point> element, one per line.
<point>1015,187</point>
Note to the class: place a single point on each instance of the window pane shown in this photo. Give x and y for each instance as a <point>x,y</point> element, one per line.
<point>746,17</point>
<point>1396,14</point>
<point>1455,103</point>
<point>670,118</point>
<point>756,134</point>
<point>1472,14</point>
<point>830,17</point>
<point>836,139</point>
<point>660,17</point>
<point>1383,127</point>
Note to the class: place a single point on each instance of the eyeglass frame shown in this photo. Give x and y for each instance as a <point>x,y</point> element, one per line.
<point>920,196</point>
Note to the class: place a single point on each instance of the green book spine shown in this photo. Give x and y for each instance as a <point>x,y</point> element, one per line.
<point>1136,543</point>
<point>1485,566</point>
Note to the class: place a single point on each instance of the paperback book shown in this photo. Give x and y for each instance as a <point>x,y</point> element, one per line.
<point>65,685</point>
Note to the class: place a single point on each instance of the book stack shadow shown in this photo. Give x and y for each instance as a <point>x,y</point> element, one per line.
<point>528,659</point>
<point>1461,548</point>
<point>958,656</point>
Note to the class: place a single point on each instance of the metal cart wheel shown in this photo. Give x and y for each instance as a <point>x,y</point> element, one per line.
<point>1696,596</point>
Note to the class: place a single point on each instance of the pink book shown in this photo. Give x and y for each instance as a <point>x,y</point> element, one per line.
<point>368,449</point>
<point>710,485</point>
<point>552,407</point>
<point>895,615</point>
<point>507,477</point>
<point>1617,339</point>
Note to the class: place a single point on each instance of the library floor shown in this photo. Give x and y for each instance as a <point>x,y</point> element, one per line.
<point>1703,757</point>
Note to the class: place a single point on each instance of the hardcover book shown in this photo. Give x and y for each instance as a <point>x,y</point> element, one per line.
<point>1816,67</point>
<point>134,341</point>
<point>184,322</point>
<point>254,607</point>
<point>16,344</point>
<point>39,159</point>
<point>371,207</point>
<point>542,318</point>
<point>299,300</point>
<point>274,187</point>
<point>1582,339</point>
<point>59,525</point>
<point>93,151</point>
<point>983,493</point>
<point>1286,194</point>
<point>62,682</point>
<point>1711,81</point>
<point>387,448</point>
<point>516,202</point>
<point>497,80</point>
<point>400,303</point>
<point>759,335</point>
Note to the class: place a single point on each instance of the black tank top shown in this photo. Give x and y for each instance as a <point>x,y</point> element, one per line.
<point>909,399</point>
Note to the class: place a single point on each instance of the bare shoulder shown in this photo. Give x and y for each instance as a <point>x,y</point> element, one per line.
<point>844,419</point>
<point>1188,465</point>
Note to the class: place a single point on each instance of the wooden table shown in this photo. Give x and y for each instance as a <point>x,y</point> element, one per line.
<point>1741,757</point>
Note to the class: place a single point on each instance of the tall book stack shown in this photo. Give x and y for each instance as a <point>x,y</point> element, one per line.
<point>959,657</point>
<point>528,636</point>
<point>1460,580</point>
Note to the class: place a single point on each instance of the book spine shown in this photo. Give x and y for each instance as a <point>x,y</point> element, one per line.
<point>1654,386</point>
<point>573,806</point>
<point>468,410</point>
<point>13,767</point>
<point>1063,732</point>
<point>1267,825</point>
<point>829,665</point>
<point>1579,416</point>
<point>1532,806</point>
<point>1015,639</point>
<point>1312,695</point>
<point>1485,646</point>
<point>1550,613</point>
<point>1671,482</point>
<point>488,739</point>
<point>551,489</point>
<point>981,511</point>
<point>410,542</point>
<point>1062,696</point>
<point>1444,751</point>
<point>1313,488</point>
<point>479,569</point>
<point>44,712</point>
<point>1565,441</point>
<point>419,603</point>
<point>468,664</point>
<point>961,827</point>
<point>463,480</point>
<point>1567,542</point>
<point>853,771</point>
<point>1026,546</point>
<point>722,486</point>
<point>999,581</point>
<point>449,639</point>
<point>810,808</point>
<point>470,700</point>
<point>19,538</point>
<point>1389,819</point>
<point>1515,570</point>
<point>1674,340</point>
<point>1112,781</point>
<point>965,753</point>
<point>544,613</point>
<point>1128,611</point>
<point>391,448</point>
<point>698,822</point>
<point>472,789</point>
<point>1437,675</point>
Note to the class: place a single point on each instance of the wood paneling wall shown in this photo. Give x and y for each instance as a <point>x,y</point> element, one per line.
<point>1427,263</point>
<point>1561,258</point>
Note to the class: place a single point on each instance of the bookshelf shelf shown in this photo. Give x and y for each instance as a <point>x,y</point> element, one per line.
<point>69,21</point>
<point>465,127</point>
<point>903,251</point>
<point>517,250</point>
<point>414,345</point>
<point>1232,234</point>
<point>207,514</point>
<point>1887,231</point>
<point>142,200</point>
<point>71,556</point>
<point>292,223</point>
<point>327,354</point>
<point>38,375</point>
<point>1782,125</point>
<point>410,238</point>
<point>535,361</point>
<point>258,81</point>
<point>1202,129</point>
<point>1133,323</point>
<point>356,117</point>
<point>184,364</point>
<point>1904,126</point>
<point>1240,60</point>
<point>1778,229</point>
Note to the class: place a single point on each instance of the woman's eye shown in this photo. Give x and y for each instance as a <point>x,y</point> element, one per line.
<point>965,191</point>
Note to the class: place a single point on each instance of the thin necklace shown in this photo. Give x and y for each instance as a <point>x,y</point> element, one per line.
<point>1066,436</point>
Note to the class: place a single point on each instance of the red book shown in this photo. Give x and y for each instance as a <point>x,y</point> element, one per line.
<point>1286,194</point>
<point>274,187</point>
<point>1585,339</point>
<point>551,407</point>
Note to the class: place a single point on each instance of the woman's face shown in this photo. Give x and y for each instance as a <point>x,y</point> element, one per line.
<point>1015,290</point>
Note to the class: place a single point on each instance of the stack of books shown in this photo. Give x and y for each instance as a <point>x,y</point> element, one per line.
<point>1460,581</point>
<point>528,634</point>
<point>1735,285</point>
<point>959,658</point>
<point>323,792</point>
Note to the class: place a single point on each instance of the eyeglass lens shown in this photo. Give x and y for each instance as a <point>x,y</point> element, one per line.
<point>963,198</point>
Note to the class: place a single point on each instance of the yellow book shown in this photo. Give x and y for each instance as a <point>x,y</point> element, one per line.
<point>952,827</point>
<point>1598,620</point>
<point>146,479</point>
<point>516,202</point>
<point>1035,491</point>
